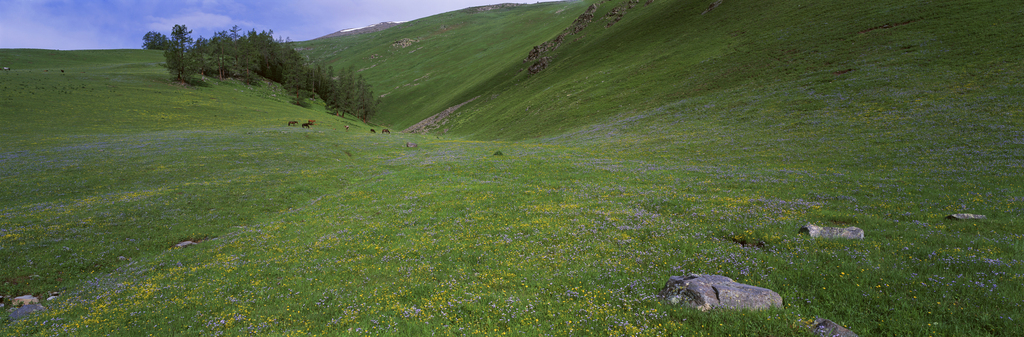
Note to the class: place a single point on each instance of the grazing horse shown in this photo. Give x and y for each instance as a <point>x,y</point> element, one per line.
<point>346,127</point>
<point>6,68</point>
<point>385,131</point>
<point>292,123</point>
<point>306,125</point>
<point>373,131</point>
<point>311,121</point>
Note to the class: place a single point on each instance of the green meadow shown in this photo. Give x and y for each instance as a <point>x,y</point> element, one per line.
<point>667,143</point>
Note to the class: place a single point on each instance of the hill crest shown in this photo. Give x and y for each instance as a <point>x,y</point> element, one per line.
<point>368,29</point>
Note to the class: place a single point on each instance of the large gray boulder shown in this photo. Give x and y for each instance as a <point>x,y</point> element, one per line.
<point>706,292</point>
<point>25,311</point>
<point>833,232</point>
<point>826,328</point>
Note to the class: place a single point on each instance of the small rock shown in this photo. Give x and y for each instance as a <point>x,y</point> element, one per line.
<point>407,144</point>
<point>185,244</point>
<point>27,299</point>
<point>706,292</point>
<point>122,258</point>
<point>965,216</point>
<point>25,311</point>
<point>51,298</point>
<point>827,328</point>
<point>833,232</point>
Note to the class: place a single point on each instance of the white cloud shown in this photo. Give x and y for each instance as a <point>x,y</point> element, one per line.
<point>194,20</point>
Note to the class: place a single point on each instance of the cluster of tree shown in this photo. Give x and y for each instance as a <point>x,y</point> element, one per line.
<point>155,40</point>
<point>249,56</point>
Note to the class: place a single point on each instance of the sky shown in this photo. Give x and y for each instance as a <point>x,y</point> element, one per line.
<point>121,24</point>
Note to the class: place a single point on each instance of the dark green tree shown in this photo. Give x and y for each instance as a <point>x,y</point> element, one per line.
<point>202,53</point>
<point>180,62</point>
<point>245,60</point>
<point>346,92</point>
<point>220,48</point>
<point>155,41</point>
<point>366,102</point>
<point>296,75</point>
<point>329,92</point>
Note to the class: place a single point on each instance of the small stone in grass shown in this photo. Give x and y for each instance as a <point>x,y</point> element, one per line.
<point>185,244</point>
<point>965,216</point>
<point>27,299</point>
<point>827,328</point>
<point>25,311</point>
<point>833,232</point>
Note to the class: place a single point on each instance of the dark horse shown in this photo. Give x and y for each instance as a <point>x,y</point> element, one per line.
<point>373,131</point>
<point>306,125</point>
<point>292,123</point>
<point>385,131</point>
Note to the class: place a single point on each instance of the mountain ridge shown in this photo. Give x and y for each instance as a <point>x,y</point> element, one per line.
<point>364,30</point>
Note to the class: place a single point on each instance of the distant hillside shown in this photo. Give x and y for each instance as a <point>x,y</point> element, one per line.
<point>561,66</point>
<point>422,66</point>
<point>356,31</point>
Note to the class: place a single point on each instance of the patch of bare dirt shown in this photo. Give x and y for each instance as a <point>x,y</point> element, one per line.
<point>473,10</point>
<point>842,72</point>
<point>435,121</point>
<point>887,26</point>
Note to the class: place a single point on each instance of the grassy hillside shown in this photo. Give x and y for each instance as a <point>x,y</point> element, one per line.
<point>98,160</point>
<point>669,143</point>
<point>451,55</point>
<point>803,56</point>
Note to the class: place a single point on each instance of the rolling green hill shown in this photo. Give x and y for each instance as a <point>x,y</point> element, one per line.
<point>799,56</point>
<point>661,138</point>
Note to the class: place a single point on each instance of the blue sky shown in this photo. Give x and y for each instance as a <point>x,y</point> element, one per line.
<point>116,24</point>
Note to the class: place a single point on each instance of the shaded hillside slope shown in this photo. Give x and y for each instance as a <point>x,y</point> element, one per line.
<point>794,56</point>
<point>422,66</point>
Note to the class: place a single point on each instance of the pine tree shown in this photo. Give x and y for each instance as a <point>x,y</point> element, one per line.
<point>366,103</point>
<point>180,63</point>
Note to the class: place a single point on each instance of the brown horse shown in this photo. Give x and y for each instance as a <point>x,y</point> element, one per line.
<point>306,125</point>
<point>311,121</point>
<point>373,131</point>
<point>292,123</point>
<point>385,131</point>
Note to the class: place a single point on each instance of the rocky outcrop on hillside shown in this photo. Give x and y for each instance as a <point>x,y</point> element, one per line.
<point>615,15</point>
<point>712,6</point>
<point>581,23</point>
<point>539,53</point>
<point>403,43</point>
